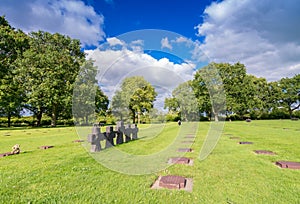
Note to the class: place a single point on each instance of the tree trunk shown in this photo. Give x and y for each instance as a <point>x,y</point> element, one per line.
<point>86,120</point>
<point>139,117</point>
<point>216,118</point>
<point>291,113</point>
<point>39,117</point>
<point>133,116</point>
<point>54,115</point>
<point>215,114</point>
<point>8,119</point>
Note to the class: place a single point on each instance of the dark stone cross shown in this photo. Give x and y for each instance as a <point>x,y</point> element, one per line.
<point>120,129</point>
<point>134,131</point>
<point>95,138</point>
<point>127,133</point>
<point>110,135</point>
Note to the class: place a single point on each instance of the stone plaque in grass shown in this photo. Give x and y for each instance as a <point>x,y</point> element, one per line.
<point>187,142</point>
<point>173,182</point>
<point>184,150</point>
<point>46,147</point>
<point>77,141</point>
<point>288,164</point>
<point>245,142</point>
<point>6,154</point>
<point>264,152</point>
<point>180,160</point>
<point>190,136</point>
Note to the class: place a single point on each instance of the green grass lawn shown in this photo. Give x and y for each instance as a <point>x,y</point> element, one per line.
<point>232,173</point>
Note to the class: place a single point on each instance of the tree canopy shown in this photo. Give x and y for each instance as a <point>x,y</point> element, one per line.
<point>135,97</point>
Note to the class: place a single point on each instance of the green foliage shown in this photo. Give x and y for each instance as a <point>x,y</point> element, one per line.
<point>290,93</point>
<point>89,101</point>
<point>172,117</point>
<point>246,95</point>
<point>209,89</point>
<point>135,97</point>
<point>12,44</point>
<point>48,70</point>
<point>31,121</point>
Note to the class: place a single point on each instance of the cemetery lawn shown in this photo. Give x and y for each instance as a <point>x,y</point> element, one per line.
<point>233,173</point>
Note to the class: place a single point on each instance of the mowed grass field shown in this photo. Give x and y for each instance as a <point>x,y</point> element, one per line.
<point>232,173</point>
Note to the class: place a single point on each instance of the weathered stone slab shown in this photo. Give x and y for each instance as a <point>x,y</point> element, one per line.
<point>46,147</point>
<point>6,154</point>
<point>245,142</point>
<point>179,160</point>
<point>190,136</point>
<point>187,142</point>
<point>173,182</point>
<point>264,152</point>
<point>184,150</point>
<point>78,141</point>
<point>288,164</point>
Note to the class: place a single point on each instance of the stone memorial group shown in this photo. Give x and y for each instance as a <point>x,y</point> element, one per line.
<point>122,133</point>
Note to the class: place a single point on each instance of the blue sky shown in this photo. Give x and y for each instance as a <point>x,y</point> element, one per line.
<point>177,15</point>
<point>262,34</point>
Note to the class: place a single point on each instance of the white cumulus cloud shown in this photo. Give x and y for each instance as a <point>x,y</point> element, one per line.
<point>264,35</point>
<point>69,17</point>
<point>165,43</point>
<point>115,65</point>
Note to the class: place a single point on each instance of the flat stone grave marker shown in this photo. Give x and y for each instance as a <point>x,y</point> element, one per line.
<point>190,136</point>
<point>46,147</point>
<point>288,164</point>
<point>180,160</point>
<point>184,150</point>
<point>264,152</point>
<point>245,142</point>
<point>6,154</point>
<point>187,142</point>
<point>173,182</point>
<point>78,141</point>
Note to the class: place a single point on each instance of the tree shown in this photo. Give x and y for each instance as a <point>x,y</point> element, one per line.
<point>135,96</point>
<point>12,45</point>
<point>236,87</point>
<point>48,71</point>
<point>141,101</point>
<point>201,93</point>
<point>209,90</point>
<point>172,105</point>
<point>184,102</point>
<point>101,102</point>
<point>290,93</point>
<point>84,92</point>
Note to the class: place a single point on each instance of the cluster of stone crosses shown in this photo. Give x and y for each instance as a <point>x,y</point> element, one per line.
<point>129,131</point>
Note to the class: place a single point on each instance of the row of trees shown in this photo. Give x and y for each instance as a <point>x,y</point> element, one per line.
<point>226,89</point>
<point>38,72</point>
